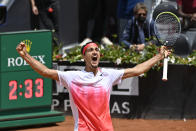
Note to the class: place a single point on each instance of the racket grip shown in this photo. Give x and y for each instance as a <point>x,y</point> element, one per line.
<point>165,67</point>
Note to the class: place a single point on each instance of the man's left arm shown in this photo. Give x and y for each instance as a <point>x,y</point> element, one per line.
<point>145,66</point>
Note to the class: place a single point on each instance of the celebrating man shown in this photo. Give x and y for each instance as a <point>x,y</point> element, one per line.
<point>90,88</point>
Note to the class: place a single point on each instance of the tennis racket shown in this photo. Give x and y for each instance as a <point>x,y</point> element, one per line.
<point>167,30</point>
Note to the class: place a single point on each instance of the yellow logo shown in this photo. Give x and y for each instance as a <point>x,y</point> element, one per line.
<point>28,44</point>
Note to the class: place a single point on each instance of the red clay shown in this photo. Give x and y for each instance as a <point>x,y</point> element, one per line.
<point>123,125</point>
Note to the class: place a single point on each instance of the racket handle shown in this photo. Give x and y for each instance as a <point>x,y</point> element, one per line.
<point>165,67</point>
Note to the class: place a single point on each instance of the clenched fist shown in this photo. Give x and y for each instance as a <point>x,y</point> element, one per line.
<point>164,51</point>
<point>21,49</point>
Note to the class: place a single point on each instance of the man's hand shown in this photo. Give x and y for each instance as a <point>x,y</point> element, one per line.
<point>21,49</point>
<point>164,52</point>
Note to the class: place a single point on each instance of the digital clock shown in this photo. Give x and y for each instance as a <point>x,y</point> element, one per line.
<point>25,89</point>
<point>24,94</point>
<point>28,85</point>
<point>28,91</point>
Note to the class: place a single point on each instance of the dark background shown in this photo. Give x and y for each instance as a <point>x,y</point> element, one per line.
<point>18,19</point>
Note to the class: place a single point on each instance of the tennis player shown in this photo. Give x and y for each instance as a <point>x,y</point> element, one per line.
<point>90,88</point>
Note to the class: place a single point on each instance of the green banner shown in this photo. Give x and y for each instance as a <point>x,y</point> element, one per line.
<point>21,86</point>
<point>38,45</point>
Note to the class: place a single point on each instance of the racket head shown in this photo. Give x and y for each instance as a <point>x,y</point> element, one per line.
<point>167,28</point>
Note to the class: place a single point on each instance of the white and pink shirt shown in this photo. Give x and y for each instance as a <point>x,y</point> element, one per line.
<point>89,97</point>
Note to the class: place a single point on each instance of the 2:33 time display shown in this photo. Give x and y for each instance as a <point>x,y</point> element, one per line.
<point>28,89</point>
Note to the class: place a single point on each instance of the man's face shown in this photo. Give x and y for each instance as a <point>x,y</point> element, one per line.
<point>141,15</point>
<point>92,56</point>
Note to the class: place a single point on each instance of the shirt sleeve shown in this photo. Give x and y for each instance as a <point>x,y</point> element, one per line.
<point>65,77</point>
<point>115,76</point>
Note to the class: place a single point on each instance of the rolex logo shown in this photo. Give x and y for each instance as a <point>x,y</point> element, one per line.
<point>28,44</point>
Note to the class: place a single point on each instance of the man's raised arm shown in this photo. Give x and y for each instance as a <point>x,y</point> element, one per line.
<point>35,64</point>
<point>145,66</point>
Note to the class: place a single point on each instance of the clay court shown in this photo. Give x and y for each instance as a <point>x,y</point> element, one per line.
<point>121,125</point>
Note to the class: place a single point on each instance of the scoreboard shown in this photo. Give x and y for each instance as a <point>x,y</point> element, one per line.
<point>25,96</point>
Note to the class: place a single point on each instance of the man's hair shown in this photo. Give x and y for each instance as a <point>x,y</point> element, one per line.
<point>139,6</point>
<point>86,45</point>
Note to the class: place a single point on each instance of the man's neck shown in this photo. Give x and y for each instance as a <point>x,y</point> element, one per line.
<point>92,69</point>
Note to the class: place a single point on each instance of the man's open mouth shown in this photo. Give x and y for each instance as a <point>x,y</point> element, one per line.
<point>94,58</point>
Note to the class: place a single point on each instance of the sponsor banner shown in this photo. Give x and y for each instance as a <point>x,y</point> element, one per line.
<point>38,44</point>
<point>120,105</point>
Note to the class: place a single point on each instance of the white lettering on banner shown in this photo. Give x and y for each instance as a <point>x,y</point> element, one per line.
<point>55,103</point>
<point>11,61</point>
<point>40,58</point>
<point>128,87</point>
<point>66,104</point>
<point>125,106</point>
<point>123,110</point>
<point>115,108</point>
<point>25,63</point>
<point>19,61</point>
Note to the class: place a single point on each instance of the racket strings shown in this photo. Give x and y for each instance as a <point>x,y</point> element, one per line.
<point>168,28</point>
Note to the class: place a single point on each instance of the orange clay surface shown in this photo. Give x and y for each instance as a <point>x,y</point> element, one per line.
<point>121,125</point>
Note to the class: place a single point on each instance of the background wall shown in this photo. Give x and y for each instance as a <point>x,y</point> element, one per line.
<point>18,19</point>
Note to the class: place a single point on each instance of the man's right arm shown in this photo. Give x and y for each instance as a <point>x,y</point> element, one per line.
<point>35,64</point>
